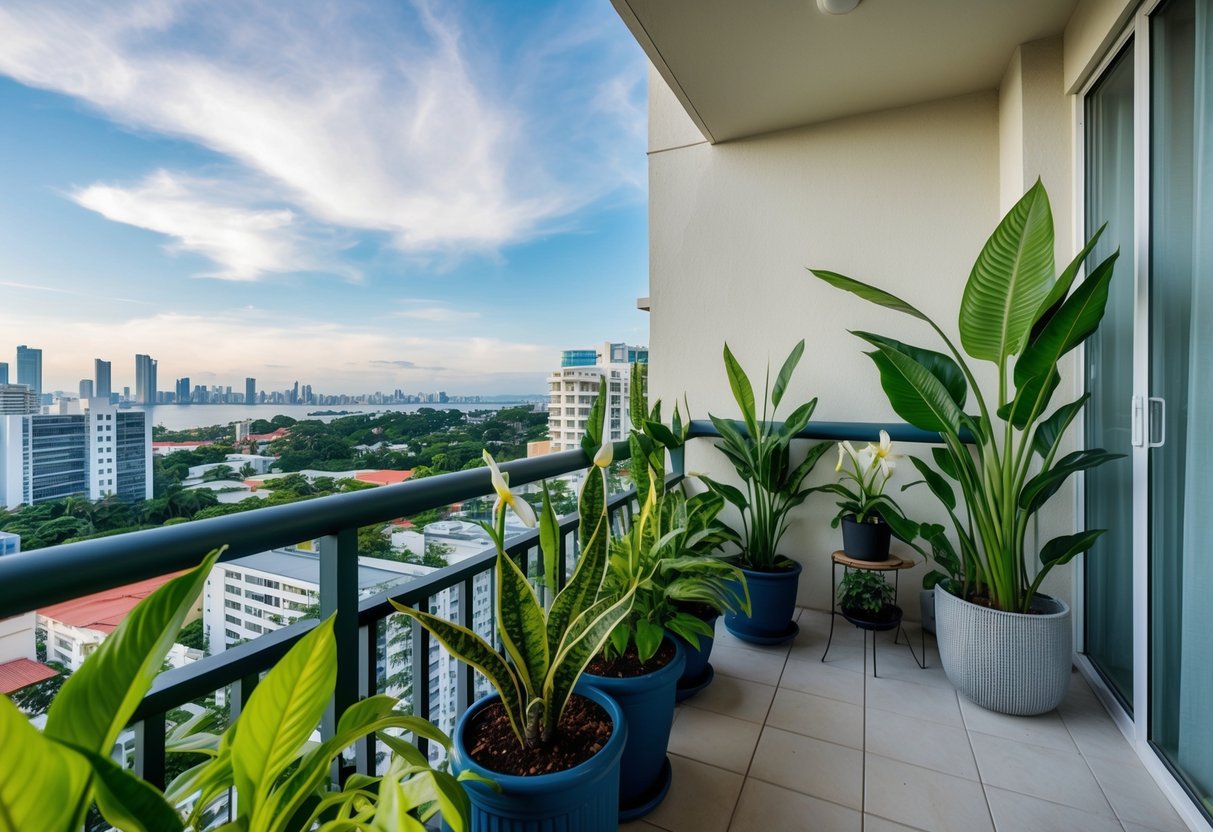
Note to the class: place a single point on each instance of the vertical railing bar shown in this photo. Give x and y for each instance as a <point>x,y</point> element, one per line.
<point>421,674</point>
<point>149,749</point>
<point>563,570</point>
<point>464,679</point>
<point>339,599</point>
<point>241,690</point>
<point>368,685</point>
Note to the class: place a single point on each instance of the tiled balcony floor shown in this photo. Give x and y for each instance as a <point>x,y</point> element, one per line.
<point>780,742</point>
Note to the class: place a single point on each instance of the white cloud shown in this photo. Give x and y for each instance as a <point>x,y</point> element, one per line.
<point>362,116</point>
<point>438,314</point>
<point>205,217</point>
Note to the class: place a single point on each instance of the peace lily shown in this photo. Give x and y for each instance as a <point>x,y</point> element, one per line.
<point>865,473</point>
<point>883,454</point>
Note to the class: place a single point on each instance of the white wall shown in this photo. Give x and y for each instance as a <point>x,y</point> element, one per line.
<point>17,637</point>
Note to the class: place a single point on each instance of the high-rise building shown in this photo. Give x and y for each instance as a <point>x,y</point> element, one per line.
<point>573,388</point>
<point>95,454</point>
<point>145,379</point>
<point>29,368</point>
<point>86,388</point>
<point>101,374</point>
<point>17,400</point>
<point>250,391</point>
<point>183,390</point>
<point>3,372</point>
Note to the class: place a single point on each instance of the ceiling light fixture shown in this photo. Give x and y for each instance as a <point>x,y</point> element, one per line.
<point>837,6</point>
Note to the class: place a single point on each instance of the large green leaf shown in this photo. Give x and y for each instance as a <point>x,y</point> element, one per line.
<point>281,715</point>
<point>1009,281</point>
<point>785,374</point>
<point>1049,432</point>
<point>743,391</point>
<point>1062,550</point>
<point>98,700</point>
<point>937,364</point>
<point>815,453</point>
<point>797,422</point>
<point>915,393</point>
<point>1061,288</point>
<point>945,462</point>
<point>869,293</point>
<point>582,589</point>
<point>731,493</point>
<point>1032,397</point>
<point>637,398</point>
<point>521,624</point>
<point>1044,485</point>
<point>935,481</point>
<point>43,786</point>
<point>125,801</point>
<point>591,440</point>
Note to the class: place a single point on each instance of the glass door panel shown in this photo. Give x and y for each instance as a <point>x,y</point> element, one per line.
<point>1181,380</point>
<point>1108,567</point>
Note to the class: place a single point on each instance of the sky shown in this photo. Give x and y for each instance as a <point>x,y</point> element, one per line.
<point>360,196</point>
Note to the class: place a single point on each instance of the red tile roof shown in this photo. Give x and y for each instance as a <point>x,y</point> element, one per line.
<point>268,437</point>
<point>104,611</point>
<point>21,673</point>
<point>383,477</point>
<point>181,444</point>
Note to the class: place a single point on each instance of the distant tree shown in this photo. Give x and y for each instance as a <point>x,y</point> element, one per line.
<point>192,635</point>
<point>36,699</point>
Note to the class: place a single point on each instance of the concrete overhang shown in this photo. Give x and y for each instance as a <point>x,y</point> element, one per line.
<point>745,67</point>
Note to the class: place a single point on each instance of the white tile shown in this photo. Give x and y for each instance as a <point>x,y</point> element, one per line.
<point>1058,776</point>
<point>809,766</point>
<point>701,798</point>
<point>1134,795</point>
<point>1045,730</point>
<point>734,697</point>
<point>817,716</point>
<point>924,799</point>
<point>920,701</point>
<point>765,808</point>
<point>726,639</point>
<point>714,738</point>
<point>1095,733</point>
<point>1014,812</point>
<point>874,823</point>
<point>914,741</point>
<point>639,826</point>
<point>751,665</point>
<point>823,680</point>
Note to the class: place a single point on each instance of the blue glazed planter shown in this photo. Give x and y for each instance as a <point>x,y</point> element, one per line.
<point>648,706</point>
<point>585,797</point>
<point>696,670</point>
<point>772,603</point>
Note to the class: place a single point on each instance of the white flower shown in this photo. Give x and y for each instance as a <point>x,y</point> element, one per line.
<point>605,454</point>
<point>883,453</point>
<point>501,484</point>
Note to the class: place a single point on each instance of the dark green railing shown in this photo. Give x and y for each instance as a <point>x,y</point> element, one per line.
<point>37,579</point>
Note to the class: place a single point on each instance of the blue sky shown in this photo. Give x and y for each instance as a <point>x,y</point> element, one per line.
<point>357,195</point>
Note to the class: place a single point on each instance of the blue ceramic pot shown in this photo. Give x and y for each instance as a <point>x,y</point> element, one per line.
<point>697,657</point>
<point>772,604</point>
<point>585,797</point>
<point>648,706</point>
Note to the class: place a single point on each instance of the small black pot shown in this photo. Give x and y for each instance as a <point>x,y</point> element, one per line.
<point>866,541</point>
<point>888,617</point>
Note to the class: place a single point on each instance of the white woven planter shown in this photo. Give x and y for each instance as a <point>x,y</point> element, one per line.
<point>1005,661</point>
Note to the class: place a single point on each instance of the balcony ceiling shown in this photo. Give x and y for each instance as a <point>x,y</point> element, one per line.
<point>744,67</point>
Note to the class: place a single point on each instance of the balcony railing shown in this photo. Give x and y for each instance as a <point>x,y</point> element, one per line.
<point>47,576</point>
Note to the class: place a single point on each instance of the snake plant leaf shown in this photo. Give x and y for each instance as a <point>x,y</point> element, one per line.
<point>785,374</point>
<point>1072,324</point>
<point>471,649</point>
<point>549,542</point>
<point>637,394</point>
<point>1062,550</point>
<point>743,391</point>
<point>1061,288</point>
<point>936,482</point>
<point>1049,432</point>
<point>521,624</point>
<point>1010,280</point>
<point>50,795</point>
<point>869,293</point>
<point>943,367</point>
<point>591,440</point>
<point>98,700</point>
<point>125,801</point>
<point>281,715</point>
<point>665,436</point>
<point>915,393</point>
<point>582,589</point>
<point>642,475</point>
<point>1044,485</point>
<point>585,638</point>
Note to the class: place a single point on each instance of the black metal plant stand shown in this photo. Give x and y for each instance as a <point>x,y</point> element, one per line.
<point>894,564</point>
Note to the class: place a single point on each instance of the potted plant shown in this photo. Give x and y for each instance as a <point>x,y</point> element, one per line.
<point>1001,643</point>
<point>866,600</point>
<point>760,451</point>
<point>553,751</point>
<point>869,517</point>
<point>944,555</point>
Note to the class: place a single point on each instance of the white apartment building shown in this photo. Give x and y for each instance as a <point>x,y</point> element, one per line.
<point>100,452</point>
<point>573,388</point>
<point>17,400</point>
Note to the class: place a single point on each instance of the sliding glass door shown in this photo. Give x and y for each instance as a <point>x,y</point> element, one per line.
<point>1148,620</point>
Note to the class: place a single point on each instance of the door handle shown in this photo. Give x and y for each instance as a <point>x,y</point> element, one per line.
<point>1158,422</point>
<point>1137,419</point>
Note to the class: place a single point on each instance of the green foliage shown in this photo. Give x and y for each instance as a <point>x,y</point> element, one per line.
<point>192,635</point>
<point>863,590</point>
<point>1017,315</point>
<point>761,455</point>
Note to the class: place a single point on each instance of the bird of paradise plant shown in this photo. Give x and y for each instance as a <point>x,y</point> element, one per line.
<point>545,651</point>
<point>1013,307</point>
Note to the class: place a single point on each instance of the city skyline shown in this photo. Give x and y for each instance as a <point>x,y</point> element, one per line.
<point>437,222</point>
